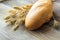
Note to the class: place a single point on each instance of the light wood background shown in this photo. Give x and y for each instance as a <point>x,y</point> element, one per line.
<point>48,32</point>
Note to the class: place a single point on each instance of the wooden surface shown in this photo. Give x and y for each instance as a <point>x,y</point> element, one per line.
<point>47,32</point>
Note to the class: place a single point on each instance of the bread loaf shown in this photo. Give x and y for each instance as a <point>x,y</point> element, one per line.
<point>40,13</point>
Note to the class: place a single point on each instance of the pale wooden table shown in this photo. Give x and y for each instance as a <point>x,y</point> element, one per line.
<point>6,33</point>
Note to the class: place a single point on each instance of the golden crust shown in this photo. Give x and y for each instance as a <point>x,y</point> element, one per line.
<point>40,13</point>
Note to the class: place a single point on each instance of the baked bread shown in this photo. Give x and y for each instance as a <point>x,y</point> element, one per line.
<point>40,13</point>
